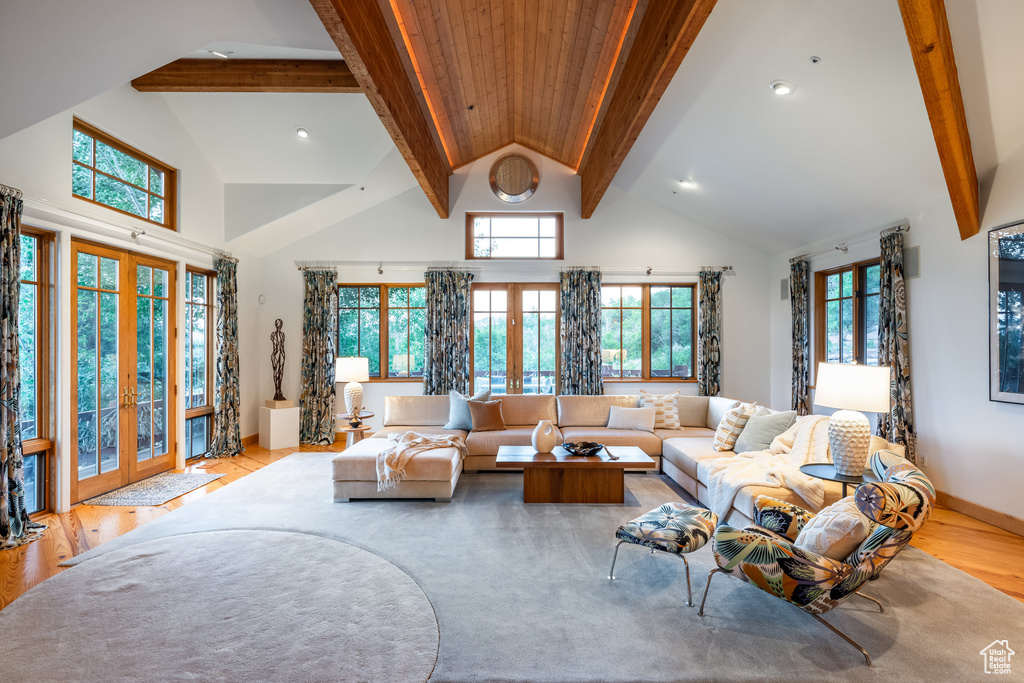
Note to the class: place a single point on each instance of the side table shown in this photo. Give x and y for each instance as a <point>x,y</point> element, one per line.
<point>354,435</point>
<point>827,471</point>
<point>347,417</point>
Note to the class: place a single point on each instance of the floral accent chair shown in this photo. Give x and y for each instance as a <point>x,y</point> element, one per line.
<point>763,554</point>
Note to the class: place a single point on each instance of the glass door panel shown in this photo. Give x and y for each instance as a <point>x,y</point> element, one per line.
<point>539,332</point>
<point>490,340</point>
<point>153,388</point>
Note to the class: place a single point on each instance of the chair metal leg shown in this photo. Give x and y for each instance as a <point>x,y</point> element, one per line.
<point>707,585</point>
<point>851,641</point>
<point>689,589</point>
<point>611,574</point>
<point>881,607</point>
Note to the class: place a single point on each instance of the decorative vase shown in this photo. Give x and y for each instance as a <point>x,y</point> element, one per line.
<point>544,437</point>
<point>849,438</point>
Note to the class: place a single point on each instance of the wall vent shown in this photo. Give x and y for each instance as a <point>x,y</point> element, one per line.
<point>784,291</point>
<point>912,262</point>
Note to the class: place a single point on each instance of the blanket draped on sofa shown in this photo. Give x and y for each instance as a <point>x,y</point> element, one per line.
<point>401,448</point>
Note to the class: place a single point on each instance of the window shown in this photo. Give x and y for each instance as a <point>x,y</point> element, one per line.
<point>514,236</point>
<point>34,316</point>
<point>199,323</point>
<point>647,332</point>
<point>385,324</point>
<point>106,171</point>
<point>846,313</point>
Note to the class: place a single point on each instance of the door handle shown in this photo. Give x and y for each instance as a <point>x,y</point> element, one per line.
<point>124,398</point>
<point>134,398</point>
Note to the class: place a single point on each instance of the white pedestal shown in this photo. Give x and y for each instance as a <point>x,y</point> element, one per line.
<point>279,428</point>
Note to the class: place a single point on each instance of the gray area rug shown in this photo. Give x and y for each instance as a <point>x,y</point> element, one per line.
<point>261,606</point>
<point>155,490</point>
<point>521,592</point>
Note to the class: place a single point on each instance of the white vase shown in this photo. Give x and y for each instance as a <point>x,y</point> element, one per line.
<point>544,437</point>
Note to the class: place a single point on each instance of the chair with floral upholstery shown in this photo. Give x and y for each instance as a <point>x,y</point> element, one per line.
<point>763,554</point>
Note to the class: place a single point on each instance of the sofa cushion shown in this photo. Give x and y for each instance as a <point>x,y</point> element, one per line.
<point>487,443</point>
<point>415,410</point>
<point>590,411</point>
<point>486,416</point>
<point>748,494</point>
<point>686,453</point>
<point>761,430</point>
<point>717,408</point>
<point>459,416</point>
<point>646,441</point>
<point>693,411</point>
<point>528,409</point>
<point>639,419</point>
<point>423,429</point>
<point>685,433</point>
<point>359,463</point>
<point>666,415</point>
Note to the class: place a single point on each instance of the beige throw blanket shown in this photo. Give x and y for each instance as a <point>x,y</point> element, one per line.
<point>391,461</point>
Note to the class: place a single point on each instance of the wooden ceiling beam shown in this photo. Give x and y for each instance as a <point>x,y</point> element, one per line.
<point>250,75</point>
<point>360,30</point>
<point>666,32</point>
<point>932,48</point>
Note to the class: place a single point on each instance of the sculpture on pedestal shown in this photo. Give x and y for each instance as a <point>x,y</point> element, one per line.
<point>277,358</point>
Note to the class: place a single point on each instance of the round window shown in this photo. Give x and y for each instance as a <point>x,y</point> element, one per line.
<point>514,178</point>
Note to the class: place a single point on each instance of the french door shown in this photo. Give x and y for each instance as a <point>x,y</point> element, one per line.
<point>123,355</point>
<point>515,338</point>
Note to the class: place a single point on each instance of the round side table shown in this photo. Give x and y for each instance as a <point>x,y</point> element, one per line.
<point>354,435</point>
<point>827,471</point>
<point>363,415</point>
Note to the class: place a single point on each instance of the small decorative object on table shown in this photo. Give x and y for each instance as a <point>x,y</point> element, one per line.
<point>353,371</point>
<point>853,388</point>
<point>544,438</point>
<point>582,447</point>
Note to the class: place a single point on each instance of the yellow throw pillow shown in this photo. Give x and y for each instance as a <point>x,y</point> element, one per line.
<point>731,425</point>
<point>666,412</point>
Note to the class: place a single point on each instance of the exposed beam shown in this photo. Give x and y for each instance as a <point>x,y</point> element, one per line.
<point>667,30</point>
<point>250,75</point>
<point>932,49</point>
<point>360,30</point>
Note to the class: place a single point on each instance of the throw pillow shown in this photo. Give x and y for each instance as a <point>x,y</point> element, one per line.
<point>486,416</point>
<point>836,531</point>
<point>761,430</point>
<point>732,424</point>
<point>666,412</point>
<point>639,419</point>
<point>458,410</point>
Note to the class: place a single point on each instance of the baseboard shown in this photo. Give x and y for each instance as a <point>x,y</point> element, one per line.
<point>250,440</point>
<point>1002,520</point>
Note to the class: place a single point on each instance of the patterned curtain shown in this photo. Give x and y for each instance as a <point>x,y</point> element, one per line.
<point>227,401</point>
<point>709,333</point>
<point>15,527</point>
<point>446,348</point>
<point>319,353</point>
<point>581,332</point>
<point>897,426</point>
<point>798,292</point>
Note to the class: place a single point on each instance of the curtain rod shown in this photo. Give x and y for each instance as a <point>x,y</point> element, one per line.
<point>8,191</point>
<point>542,266</point>
<point>843,247</point>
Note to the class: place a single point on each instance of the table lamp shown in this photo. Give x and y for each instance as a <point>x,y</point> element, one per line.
<point>855,390</point>
<point>353,371</point>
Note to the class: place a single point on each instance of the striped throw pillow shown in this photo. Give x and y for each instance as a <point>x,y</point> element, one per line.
<point>666,412</point>
<point>731,425</point>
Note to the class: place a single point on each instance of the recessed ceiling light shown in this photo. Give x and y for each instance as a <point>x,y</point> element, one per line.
<point>781,87</point>
<point>687,183</point>
<point>224,54</point>
<point>302,132</point>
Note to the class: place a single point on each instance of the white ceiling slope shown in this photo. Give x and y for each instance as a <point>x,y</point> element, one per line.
<point>248,206</point>
<point>59,53</point>
<point>851,149</point>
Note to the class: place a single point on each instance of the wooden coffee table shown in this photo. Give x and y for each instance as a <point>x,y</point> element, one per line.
<point>559,477</point>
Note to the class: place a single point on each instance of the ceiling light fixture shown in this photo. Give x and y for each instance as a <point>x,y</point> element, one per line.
<point>302,132</point>
<point>687,183</point>
<point>223,54</point>
<point>781,87</point>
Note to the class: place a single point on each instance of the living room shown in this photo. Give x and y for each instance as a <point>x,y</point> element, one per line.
<point>766,137</point>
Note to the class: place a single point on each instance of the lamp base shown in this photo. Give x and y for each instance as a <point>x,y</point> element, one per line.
<point>354,402</point>
<point>849,438</point>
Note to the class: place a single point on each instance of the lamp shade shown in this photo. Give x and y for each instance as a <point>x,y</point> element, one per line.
<point>352,370</point>
<point>864,388</point>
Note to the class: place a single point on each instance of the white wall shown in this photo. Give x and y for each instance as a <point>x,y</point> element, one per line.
<point>625,232</point>
<point>37,160</point>
<point>970,447</point>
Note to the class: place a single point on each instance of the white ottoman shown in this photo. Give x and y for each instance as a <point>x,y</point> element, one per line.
<point>430,474</point>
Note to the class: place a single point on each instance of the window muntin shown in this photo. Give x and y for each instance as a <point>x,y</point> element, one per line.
<point>385,324</point>
<point>198,385</point>
<point>847,313</point>
<point>106,171</point>
<point>648,332</point>
<point>535,236</point>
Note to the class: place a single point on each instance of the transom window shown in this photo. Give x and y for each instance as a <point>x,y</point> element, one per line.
<point>385,324</point>
<point>199,323</point>
<point>647,332</point>
<point>106,171</point>
<point>846,313</point>
<point>514,236</point>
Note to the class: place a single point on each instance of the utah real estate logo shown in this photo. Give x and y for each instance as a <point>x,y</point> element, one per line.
<point>997,657</point>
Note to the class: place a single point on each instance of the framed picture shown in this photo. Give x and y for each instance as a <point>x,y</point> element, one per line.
<point>1006,312</point>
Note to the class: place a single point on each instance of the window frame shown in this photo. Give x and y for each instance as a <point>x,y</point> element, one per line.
<point>559,234</point>
<point>42,446</point>
<point>385,341</point>
<point>170,196</point>
<point>192,412</point>
<point>645,332</point>
<point>859,296</point>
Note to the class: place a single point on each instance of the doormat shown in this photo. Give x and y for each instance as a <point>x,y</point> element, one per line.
<point>156,490</point>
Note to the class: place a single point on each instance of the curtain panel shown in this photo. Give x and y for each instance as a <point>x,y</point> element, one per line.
<point>799,290</point>
<point>709,333</point>
<point>15,527</point>
<point>897,426</point>
<point>227,401</point>
<point>318,421</point>
<point>446,347</point>
<point>581,332</point>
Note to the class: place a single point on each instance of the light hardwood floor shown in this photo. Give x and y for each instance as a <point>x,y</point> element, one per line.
<point>984,551</point>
